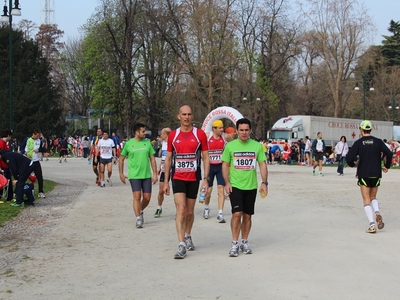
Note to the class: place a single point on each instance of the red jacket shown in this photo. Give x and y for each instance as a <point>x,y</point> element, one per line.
<point>4,146</point>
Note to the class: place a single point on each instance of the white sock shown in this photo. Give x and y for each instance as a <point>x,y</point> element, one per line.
<point>207,206</point>
<point>187,235</point>
<point>220,211</point>
<point>375,205</point>
<point>369,213</point>
<point>159,207</point>
<point>182,244</point>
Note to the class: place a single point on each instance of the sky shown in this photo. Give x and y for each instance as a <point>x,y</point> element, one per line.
<point>71,14</point>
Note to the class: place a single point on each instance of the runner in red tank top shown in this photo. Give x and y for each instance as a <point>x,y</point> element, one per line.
<point>216,145</point>
<point>186,146</point>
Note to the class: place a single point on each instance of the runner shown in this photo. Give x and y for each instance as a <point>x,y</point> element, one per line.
<point>186,146</point>
<point>369,170</point>
<point>216,145</point>
<point>93,154</point>
<point>140,155</point>
<point>160,198</point>
<point>106,151</point>
<point>318,150</point>
<point>239,161</point>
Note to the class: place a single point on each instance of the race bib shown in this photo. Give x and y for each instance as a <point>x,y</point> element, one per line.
<point>186,163</point>
<point>244,160</point>
<point>215,156</point>
<point>106,151</point>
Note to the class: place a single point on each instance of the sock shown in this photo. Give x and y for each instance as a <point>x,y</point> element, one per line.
<point>375,205</point>
<point>137,218</point>
<point>182,244</point>
<point>159,207</point>
<point>207,206</point>
<point>235,243</point>
<point>187,235</point>
<point>220,211</point>
<point>244,241</point>
<point>368,212</point>
<point>141,212</point>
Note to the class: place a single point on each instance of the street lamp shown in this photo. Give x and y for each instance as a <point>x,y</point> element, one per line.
<point>393,107</point>
<point>364,77</point>
<point>7,17</point>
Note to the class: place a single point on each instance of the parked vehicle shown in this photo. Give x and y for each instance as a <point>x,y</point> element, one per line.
<point>293,128</point>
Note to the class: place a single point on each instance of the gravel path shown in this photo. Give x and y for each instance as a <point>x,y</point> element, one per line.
<point>34,223</point>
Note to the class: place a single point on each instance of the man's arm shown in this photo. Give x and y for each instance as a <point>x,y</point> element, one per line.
<point>206,167</point>
<point>122,177</point>
<point>225,175</point>
<point>264,177</point>
<point>167,166</point>
<point>154,168</point>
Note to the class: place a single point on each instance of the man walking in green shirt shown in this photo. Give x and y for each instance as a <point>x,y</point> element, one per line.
<point>239,169</point>
<point>140,154</point>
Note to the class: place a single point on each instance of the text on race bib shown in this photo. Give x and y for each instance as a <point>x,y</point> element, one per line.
<point>244,160</point>
<point>185,163</point>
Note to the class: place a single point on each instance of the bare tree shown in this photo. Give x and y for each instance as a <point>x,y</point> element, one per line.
<point>340,29</point>
<point>28,28</point>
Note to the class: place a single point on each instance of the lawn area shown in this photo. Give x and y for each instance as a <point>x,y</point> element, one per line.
<point>8,212</point>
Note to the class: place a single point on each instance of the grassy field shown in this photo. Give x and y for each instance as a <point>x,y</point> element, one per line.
<point>8,212</point>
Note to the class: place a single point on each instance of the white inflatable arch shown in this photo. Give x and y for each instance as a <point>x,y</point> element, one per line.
<point>223,112</point>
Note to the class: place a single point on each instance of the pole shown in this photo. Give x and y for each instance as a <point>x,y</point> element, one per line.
<point>11,67</point>
<point>393,107</point>
<point>364,92</point>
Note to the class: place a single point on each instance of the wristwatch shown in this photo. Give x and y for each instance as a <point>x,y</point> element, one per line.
<point>205,178</point>
<point>265,182</point>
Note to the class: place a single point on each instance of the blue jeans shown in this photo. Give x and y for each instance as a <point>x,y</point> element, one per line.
<point>341,165</point>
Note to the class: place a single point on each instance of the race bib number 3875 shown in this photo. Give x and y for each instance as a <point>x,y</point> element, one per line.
<point>185,163</point>
<point>244,160</point>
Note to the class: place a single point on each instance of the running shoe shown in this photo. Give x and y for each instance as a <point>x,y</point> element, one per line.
<point>141,216</point>
<point>206,213</point>
<point>189,243</point>
<point>313,173</point>
<point>379,221</point>
<point>181,254</point>
<point>158,213</point>
<point>234,252</point>
<point>320,174</point>
<point>109,181</point>
<point>371,229</point>
<point>244,246</point>
<point>102,184</point>
<point>220,218</point>
<point>15,204</point>
<point>139,223</point>
<point>41,195</point>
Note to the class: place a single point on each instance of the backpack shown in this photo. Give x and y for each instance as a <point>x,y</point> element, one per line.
<point>22,146</point>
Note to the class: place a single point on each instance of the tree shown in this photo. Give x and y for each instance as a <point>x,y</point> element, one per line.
<point>34,96</point>
<point>339,29</point>
<point>391,45</point>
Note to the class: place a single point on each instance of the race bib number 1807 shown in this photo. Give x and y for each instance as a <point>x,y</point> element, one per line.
<point>244,160</point>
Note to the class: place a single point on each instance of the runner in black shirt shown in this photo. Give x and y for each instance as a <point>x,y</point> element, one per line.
<point>371,152</point>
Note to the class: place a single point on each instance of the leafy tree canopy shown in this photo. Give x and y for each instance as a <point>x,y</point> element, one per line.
<point>391,44</point>
<point>34,101</point>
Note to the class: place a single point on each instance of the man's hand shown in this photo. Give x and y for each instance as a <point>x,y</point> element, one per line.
<point>155,178</point>
<point>122,177</point>
<point>166,188</point>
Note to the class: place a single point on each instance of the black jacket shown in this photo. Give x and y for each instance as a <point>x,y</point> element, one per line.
<point>19,165</point>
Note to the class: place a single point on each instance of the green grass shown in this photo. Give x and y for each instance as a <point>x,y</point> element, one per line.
<point>8,212</point>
